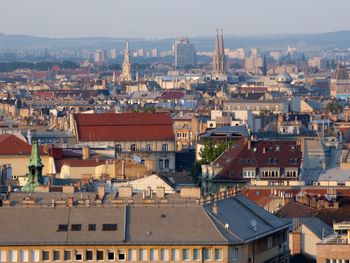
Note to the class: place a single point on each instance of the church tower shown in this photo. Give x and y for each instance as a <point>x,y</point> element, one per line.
<point>35,167</point>
<point>222,69</point>
<point>216,56</point>
<point>219,64</point>
<point>126,68</point>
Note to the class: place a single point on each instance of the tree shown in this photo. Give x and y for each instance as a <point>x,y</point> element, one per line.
<point>212,150</point>
<point>333,107</point>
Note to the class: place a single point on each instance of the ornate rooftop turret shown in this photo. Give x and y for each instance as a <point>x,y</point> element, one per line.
<point>35,167</point>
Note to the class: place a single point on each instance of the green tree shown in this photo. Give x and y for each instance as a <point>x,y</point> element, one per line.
<point>212,150</point>
<point>333,107</point>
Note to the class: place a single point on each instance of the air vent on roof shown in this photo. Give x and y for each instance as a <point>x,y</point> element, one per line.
<point>75,227</point>
<point>254,225</point>
<point>109,227</point>
<point>62,228</point>
<point>227,226</point>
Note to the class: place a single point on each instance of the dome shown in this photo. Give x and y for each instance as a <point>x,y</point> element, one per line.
<point>284,78</point>
<point>341,73</point>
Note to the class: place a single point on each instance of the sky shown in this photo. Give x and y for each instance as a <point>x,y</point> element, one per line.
<point>164,18</point>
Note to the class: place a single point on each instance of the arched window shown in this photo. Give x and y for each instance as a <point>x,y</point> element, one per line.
<point>161,164</point>
<point>166,163</point>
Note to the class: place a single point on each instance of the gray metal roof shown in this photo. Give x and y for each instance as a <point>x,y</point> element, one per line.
<point>172,223</point>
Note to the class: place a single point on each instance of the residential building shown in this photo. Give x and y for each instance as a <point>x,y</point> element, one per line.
<point>100,56</point>
<point>162,227</point>
<point>147,137</point>
<point>335,247</point>
<point>340,83</point>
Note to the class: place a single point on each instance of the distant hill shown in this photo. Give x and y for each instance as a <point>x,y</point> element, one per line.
<point>331,40</point>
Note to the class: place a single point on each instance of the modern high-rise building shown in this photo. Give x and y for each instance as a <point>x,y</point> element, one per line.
<point>219,67</point>
<point>126,68</point>
<point>185,55</point>
<point>100,56</point>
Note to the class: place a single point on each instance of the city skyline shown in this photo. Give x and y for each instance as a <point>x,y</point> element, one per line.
<point>89,19</point>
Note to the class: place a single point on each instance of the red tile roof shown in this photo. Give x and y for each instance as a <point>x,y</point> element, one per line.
<point>124,127</point>
<point>260,155</point>
<point>12,145</point>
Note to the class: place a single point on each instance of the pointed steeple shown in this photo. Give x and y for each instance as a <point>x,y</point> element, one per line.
<point>126,68</point>
<point>222,51</point>
<point>217,48</point>
<point>35,167</point>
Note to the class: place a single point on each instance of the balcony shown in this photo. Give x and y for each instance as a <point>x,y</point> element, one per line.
<point>336,239</point>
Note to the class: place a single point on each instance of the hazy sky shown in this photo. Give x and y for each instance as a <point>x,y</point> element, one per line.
<point>165,18</point>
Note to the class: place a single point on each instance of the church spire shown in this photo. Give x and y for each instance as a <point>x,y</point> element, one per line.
<point>126,68</point>
<point>222,51</point>
<point>35,167</point>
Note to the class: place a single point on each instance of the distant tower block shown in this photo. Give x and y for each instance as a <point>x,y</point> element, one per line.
<point>126,68</point>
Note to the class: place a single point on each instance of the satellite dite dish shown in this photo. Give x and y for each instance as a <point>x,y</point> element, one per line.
<point>254,225</point>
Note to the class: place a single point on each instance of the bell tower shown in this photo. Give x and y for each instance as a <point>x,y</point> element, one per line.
<point>35,167</point>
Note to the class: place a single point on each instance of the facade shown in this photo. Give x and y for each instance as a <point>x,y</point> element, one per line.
<point>336,247</point>
<point>157,227</point>
<point>274,161</point>
<point>146,137</point>
<point>126,67</point>
<point>184,52</point>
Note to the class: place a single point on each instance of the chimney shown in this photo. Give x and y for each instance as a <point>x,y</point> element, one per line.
<point>215,208</point>
<point>86,152</point>
<point>101,192</point>
<point>295,242</point>
<point>70,201</point>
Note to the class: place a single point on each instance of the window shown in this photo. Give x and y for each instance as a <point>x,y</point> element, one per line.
<point>206,254</point>
<point>277,148</point>
<point>164,254</point>
<point>165,147</point>
<point>3,256</point>
<point>56,255</point>
<point>109,227</point>
<point>196,254</point>
<point>92,227</point>
<point>149,148</point>
<point>35,255</point>
<point>110,255</point>
<point>121,255</point>
<point>118,148</point>
<point>143,254</point>
<point>99,255</point>
<point>175,255</point>
<point>133,147</point>
<point>218,254</point>
<point>78,255</point>
<point>235,255</point>
<point>185,254</point>
<point>67,255</point>
<point>23,256</point>
<point>153,254</point>
<point>45,255</point>
<point>89,255</point>
<point>62,228</point>
<point>161,164</point>
<point>166,164</point>
<point>292,147</point>
<point>13,255</point>
<point>75,227</point>
<point>132,255</point>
